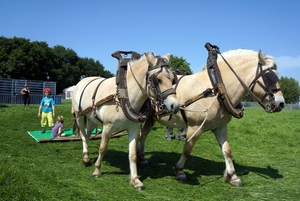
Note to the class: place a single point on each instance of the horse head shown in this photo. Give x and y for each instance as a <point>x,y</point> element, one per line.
<point>266,84</point>
<point>160,81</point>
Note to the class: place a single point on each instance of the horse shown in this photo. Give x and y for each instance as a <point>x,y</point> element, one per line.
<point>251,72</point>
<point>147,77</point>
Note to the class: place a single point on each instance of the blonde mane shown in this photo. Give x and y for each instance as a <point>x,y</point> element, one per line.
<point>245,53</point>
<point>134,61</point>
<point>238,52</point>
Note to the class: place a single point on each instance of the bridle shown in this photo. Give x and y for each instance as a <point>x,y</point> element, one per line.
<point>152,83</point>
<point>269,85</point>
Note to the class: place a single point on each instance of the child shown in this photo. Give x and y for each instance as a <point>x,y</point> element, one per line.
<point>75,127</point>
<point>47,109</point>
<point>57,129</point>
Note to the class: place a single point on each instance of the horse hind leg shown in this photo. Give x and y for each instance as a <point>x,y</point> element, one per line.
<point>81,122</point>
<point>229,173</point>
<point>102,150</point>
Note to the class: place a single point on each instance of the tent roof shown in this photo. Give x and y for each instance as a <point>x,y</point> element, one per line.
<point>71,88</point>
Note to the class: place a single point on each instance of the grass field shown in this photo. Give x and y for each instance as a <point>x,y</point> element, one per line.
<point>265,147</point>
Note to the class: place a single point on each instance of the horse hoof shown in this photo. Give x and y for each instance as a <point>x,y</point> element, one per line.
<point>144,164</point>
<point>95,176</point>
<point>140,188</point>
<point>86,164</point>
<point>181,177</point>
<point>237,183</point>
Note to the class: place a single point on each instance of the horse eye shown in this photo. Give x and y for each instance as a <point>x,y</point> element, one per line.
<point>159,81</point>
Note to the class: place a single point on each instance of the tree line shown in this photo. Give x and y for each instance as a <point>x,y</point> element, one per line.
<point>22,59</point>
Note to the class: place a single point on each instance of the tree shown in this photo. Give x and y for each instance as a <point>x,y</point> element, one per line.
<point>22,59</point>
<point>180,63</point>
<point>290,89</point>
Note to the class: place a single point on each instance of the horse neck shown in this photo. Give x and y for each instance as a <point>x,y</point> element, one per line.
<point>135,80</point>
<point>245,68</point>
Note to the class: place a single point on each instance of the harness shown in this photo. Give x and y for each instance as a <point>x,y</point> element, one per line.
<point>122,90</point>
<point>268,76</point>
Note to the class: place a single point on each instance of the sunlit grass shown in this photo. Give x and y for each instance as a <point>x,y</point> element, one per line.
<point>265,150</point>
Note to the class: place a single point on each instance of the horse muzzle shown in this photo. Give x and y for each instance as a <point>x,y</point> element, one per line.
<point>171,104</point>
<point>276,104</point>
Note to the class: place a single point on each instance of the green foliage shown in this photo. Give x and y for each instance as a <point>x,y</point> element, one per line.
<point>22,59</point>
<point>181,64</point>
<point>290,89</point>
<point>265,150</point>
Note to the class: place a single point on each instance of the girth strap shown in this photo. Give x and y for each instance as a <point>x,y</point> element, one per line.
<point>81,95</point>
<point>98,103</point>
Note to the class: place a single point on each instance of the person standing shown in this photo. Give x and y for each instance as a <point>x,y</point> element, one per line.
<point>179,136</point>
<point>46,110</point>
<point>25,92</point>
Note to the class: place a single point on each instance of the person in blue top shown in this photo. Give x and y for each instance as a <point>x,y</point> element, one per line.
<point>46,110</point>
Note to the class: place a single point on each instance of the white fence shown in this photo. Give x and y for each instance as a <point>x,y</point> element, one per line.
<point>256,105</point>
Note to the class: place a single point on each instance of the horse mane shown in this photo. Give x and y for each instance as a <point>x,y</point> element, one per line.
<point>134,61</point>
<point>245,53</point>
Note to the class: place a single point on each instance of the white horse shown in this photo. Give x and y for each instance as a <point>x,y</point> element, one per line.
<point>200,112</point>
<point>95,98</point>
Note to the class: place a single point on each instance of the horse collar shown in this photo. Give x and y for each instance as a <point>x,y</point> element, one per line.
<point>122,91</point>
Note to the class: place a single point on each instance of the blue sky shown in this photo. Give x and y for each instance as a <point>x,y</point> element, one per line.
<point>97,28</point>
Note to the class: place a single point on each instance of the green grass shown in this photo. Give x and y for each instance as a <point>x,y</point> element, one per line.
<point>265,150</point>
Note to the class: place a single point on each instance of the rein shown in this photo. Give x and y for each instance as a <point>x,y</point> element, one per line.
<point>268,78</point>
<point>259,66</point>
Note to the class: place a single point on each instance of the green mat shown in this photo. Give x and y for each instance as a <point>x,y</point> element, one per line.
<point>46,137</point>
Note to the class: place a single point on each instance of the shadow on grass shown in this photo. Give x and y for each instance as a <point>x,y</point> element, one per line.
<point>161,165</point>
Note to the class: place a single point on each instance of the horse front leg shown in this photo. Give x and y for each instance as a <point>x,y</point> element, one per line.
<point>187,149</point>
<point>133,136</point>
<point>144,131</point>
<point>229,173</point>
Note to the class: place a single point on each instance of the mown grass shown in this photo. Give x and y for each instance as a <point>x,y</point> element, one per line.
<point>265,149</point>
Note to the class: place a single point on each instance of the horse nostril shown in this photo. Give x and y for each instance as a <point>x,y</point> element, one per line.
<point>281,105</point>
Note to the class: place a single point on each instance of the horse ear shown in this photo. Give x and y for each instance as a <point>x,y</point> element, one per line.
<point>150,58</point>
<point>261,58</point>
<point>167,57</point>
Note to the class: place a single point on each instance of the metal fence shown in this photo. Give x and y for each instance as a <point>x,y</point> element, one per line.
<point>10,90</point>
<point>256,105</point>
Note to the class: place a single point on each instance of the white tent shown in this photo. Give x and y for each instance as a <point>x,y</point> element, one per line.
<point>68,92</point>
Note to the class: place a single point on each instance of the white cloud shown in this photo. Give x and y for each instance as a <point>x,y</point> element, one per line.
<point>288,62</point>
